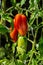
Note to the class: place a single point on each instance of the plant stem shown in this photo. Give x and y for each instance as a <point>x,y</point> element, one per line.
<point>3,5</point>
<point>30,41</point>
<point>33,46</point>
<point>9,9</point>
<point>37,21</point>
<point>34,42</point>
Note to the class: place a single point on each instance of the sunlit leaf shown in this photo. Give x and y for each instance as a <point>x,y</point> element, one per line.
<point>19,62</point>
<point>23,2</point>
<point>33,4</point>
<point>12,63</point>
<point>13,47</point>
<point>34,62</point>
<point>40,13</point>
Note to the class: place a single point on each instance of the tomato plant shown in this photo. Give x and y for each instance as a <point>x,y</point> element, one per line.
<point>21,32</point>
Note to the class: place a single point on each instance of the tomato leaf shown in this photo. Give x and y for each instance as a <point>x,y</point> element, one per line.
<point>34,62</point>
<point>13,2</point>
<point>41,46</point>
<point>2,52</point>
<point>32,18</point>
<point>19,62</point>
<point>1,11</point>
<point>23,2</point>
<point>7,17</point>
<point>3,29</point>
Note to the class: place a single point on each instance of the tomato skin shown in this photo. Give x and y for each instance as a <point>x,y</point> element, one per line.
<point>20,23</point>
<point>22,42</point>
<point>14,35</point>
<point>20,26</point>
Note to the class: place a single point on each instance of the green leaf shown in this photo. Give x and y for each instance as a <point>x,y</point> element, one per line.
<point>26,13</point>
<point>7,17</point>
<point>13,2</point>
<point>1,11</point>
<point>33,4</point>
<point>2,52</point>
<point>31,1</point>
<point>13,47</point>
<point>31,7</point>
<point>41,46</point>
<point>36,1</point>
<point>22,2</point>
<point>12,62</point>
<point>7,46</point>
<point>4,61</point>
<point>33,16</point>
<point>23,57</point>
<point>34,62</point>
<point>3,29</point>
<point>40,13</point>
<point>29,53</point>
<point>19,62</point>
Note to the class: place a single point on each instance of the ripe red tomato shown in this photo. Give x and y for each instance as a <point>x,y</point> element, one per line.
<point>14,35</point>
<point>20,23</point>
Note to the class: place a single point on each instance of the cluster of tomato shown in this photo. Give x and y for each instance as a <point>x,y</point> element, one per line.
<point>20,26</point>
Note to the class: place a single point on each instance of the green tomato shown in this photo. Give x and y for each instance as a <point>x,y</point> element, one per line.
<point>22,44</point>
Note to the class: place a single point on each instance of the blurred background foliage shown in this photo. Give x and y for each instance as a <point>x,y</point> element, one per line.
<point>33,9</point>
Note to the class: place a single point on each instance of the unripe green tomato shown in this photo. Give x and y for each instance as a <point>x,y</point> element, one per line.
<point>22,44</point>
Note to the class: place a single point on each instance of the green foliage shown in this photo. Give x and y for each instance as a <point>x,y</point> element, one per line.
<point>13,2</point>
<point>7,17</point>
<point>0,11</point>
<point>41,46</point>
<point>22,2</point>
<point>13,47</point>
<point>21,53</point>
<point>35,62</point>
<point>19,62</point>
<point>2,53</point>
<point>33,4</point>
<point>3,29</point>
<point>33,16</point>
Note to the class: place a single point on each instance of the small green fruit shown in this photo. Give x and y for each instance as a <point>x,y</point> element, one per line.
<point>22,44</point>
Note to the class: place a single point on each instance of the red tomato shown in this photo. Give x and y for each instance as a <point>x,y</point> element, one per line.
<point>20,23</point>
<point>14,35</point>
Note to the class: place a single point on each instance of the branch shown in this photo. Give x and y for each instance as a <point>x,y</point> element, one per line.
<point>30,40</point>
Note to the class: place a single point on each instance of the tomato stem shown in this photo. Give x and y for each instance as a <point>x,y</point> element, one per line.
<point>33,46</point>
